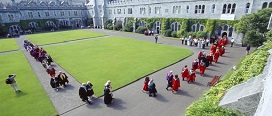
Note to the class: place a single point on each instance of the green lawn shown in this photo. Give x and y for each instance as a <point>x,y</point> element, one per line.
<point>8,45</point>
<point>56,37</point>
<point>121,60</point>
<point>32,100</point>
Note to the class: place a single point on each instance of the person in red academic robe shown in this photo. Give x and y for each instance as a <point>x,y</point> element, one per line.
<point>210,58</point>
<point>202,67</point>
<point>184,72</point>
<point>221,51</point>
<point>216,56</point>
<point>51,71</point>
<point>213,49</point>
<point>145,88</point>
<point>176,84</point>
<point>195,65</point>
<point>192,76</point>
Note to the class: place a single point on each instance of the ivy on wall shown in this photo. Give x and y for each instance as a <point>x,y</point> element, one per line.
<point>210,24</point>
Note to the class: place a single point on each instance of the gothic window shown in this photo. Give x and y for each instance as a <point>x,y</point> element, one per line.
<point>143,23</point>
<point>264,5</point>
<point>233,9</point>
<point>225,28</point>
<point>110,11</point>
<point>230,31</point>
<point>229,8</point>
<point>179,9</point>
<point>187,9</point>
<point>33,25</point>
<point>270,5</point>
<point>1,18</point>
<point>129,10</point>
<point>196,9</point>
<point>157,10</point>
<point>47,14</point>
<point>197,27</point>
<point>247,7</point>
<point>174,9</point>
<point>224,9</point>
<point>201,28</point>
<point>124,11</point>
<point>118,11</point>
<point>10,17</point>
<point>203,9</point>
<point>213,8</point>
<point>62,13</point>
<point>39,15</point>
<point>199,8</point>
<point>193,28</point>
<point>75,13</point>
<point>30,15</point>
<point>175,26</point>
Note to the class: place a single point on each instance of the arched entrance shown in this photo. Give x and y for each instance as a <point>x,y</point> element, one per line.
<point>157,27</point>
<point>14,30</point>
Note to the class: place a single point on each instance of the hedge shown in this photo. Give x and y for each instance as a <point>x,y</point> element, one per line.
<point>251,66</point>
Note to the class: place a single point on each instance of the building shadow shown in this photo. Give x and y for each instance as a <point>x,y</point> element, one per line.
<point>161,98</point>
<point>183,93</point>
<point>117,104</point>
<point>197,83</point>
<point>95,103</point>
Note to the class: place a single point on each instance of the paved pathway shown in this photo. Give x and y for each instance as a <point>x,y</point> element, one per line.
<point>130,100</point>
<point>65,99</point>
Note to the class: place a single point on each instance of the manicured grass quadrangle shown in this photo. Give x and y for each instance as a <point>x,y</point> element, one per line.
<point>8,45</point>
<point>121,60</point>
<point>63,36</point>
<point>32,101</point>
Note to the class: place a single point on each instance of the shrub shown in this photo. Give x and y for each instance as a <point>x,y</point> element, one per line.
<point>128,27</point>
<point>174,34</point>
<point>110,27</point>
<point>193,34</point>
<point>141,29</point>
<point>201,34</point>
<point>167,33</point>
<point>181,33</point>
<point>118,25</point>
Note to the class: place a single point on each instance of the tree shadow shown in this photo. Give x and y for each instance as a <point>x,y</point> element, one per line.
<point>117,104</point>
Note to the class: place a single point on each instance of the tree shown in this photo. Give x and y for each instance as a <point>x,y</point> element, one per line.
<point>253,38</point>
<point>255,23</point>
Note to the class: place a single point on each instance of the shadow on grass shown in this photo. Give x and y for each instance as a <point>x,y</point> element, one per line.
<point>21,93</point>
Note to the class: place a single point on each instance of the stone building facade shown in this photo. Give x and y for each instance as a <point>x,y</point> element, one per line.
<point>69,13</point>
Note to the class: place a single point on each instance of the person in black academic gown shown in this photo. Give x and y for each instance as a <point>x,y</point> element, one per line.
<point>107,95</point>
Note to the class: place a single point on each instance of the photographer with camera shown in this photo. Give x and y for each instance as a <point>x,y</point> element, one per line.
<point>10,80</point>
